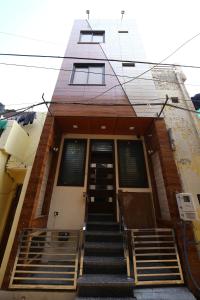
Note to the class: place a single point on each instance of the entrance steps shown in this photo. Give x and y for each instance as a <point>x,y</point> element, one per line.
<point>104,266</point>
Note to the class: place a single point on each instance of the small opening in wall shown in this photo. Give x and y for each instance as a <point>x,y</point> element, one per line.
<point>127,64</point>
<point>198,196</point>
<point>174,99</point>
<point>122,31</point>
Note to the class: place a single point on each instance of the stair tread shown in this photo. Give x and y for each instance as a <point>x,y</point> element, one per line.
<point>102,223</point>
<point>104,260</point>
<point>103,245</point>
<point>96,279</point>
<point>101,233</point>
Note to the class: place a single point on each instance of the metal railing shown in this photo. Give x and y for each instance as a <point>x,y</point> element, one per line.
<point>155,257</point>
<point>82,240</point>
<point>124,231</point>
<point>47,259</point>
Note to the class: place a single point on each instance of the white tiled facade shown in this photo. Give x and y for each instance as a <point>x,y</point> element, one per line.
<point>128,46</point>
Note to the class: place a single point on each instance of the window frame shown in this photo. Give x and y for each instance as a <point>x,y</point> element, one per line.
<point>87,65</point>
<point>92,32</point>
<point>59,179</point>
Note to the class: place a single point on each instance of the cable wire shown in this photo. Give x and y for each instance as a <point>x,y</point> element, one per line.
<point>22,110</point>
<point>148,70</point>
<point>104,59</point>
<point>97,73</point>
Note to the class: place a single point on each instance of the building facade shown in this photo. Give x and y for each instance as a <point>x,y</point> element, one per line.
<point>105,159</point>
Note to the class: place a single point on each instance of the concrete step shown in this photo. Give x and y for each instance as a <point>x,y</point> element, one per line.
<point>104,265</point>
<point>103,236</point>
<point>102,226</point>
<point>163,293</point>
<point>105,286</point>
<point>103,249</point>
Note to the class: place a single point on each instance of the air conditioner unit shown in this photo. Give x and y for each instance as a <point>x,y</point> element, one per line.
<point>186,207</point>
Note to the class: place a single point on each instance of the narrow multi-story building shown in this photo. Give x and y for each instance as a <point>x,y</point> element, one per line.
<point>100,215</point>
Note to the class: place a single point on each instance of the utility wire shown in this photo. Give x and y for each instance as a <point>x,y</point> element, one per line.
<point>22,110</point>
<point>97,73</point>
<point>29,38</point>
<point>104,59</point>
<point>148,70</point>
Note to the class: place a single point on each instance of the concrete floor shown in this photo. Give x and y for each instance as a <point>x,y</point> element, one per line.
<point>165,293</point>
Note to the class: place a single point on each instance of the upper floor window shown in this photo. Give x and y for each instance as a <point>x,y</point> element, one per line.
<point>90,74</point>
<point>92,36</point>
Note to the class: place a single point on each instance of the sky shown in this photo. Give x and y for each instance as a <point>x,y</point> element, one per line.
<point>43,27</point>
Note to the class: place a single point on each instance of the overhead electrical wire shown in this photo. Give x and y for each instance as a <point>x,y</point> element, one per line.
<point>97,73</point>
<point>102,59</point>
<point>148,70</point>
<point>29,38</point>
<point>106,59</point>
<point>22,110</point>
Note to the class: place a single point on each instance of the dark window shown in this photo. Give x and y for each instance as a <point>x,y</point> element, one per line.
<point>122,31</point>
<point>92,36</point>
<point>132,169</point>
<point>72,166</point>
<point>198,196</point>
<point>93,74</point>
<point>127,64</point>
<point>174,99</point>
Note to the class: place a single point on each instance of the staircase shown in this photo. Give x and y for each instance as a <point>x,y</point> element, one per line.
<point>104,265</point>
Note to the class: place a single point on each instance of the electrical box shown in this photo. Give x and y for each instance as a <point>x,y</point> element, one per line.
<point>186,207</point>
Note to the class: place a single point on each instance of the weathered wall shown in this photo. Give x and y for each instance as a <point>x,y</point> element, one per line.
<point>18,148</point>
<point>185,131</point>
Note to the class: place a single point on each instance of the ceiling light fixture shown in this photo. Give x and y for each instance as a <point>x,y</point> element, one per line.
<point>103,127</point>
<point>75,126</point>
<point>131,128</point>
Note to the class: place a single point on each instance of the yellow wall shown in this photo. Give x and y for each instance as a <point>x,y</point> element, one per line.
<point>16,141</point>
<point>18,146</point>
<point>7,189</point>
<point>14,226</point>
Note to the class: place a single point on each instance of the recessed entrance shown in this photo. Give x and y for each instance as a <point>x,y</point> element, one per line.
<point>101,177</point>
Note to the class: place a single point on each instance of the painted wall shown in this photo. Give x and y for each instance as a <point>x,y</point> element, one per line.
<point>69,201</point>
<point>185,131</point>
<point>18,146</point>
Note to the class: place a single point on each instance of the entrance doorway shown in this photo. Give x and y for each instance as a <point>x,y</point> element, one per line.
<point>101,177</point>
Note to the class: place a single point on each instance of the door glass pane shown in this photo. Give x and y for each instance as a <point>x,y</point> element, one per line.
<point>102,146</point>
<point>132,169</point>
<point>80,75</point>
<point>86,37</point>
<point>72,167</point>
<point>95,75</point>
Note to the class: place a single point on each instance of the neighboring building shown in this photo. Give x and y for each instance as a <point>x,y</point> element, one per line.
<point>184,130</point>
<point>105,162</point>
<point>18,145</point>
